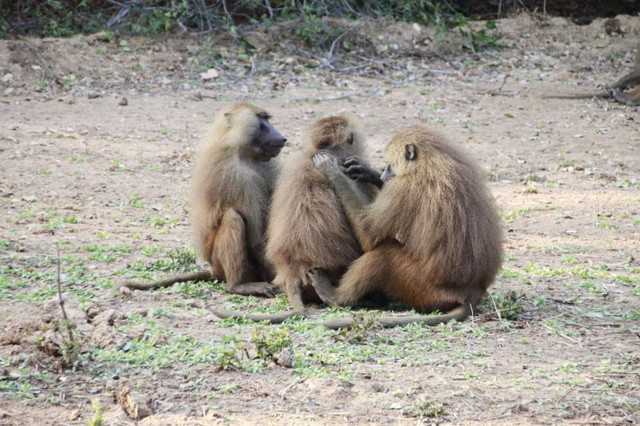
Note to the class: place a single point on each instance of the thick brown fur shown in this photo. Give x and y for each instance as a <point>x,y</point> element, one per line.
<point>618,91</point>
<point>231,191</point>
<point>432,237</point>
<point>307,225</point>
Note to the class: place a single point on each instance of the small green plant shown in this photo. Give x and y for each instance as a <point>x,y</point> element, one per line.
<point>270,341</point>
<point>136,201</point>
<point>232,358</point>
<point>316,31</point>
<point>183,257</point>
<point>78,159</point>
<point>603,222</point>
<point>98,411</point>
<point>478,40</point>
<point>506,305</point>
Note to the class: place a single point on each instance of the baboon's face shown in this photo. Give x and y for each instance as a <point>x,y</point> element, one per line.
<point>262,140</point>
<point>268,142</point>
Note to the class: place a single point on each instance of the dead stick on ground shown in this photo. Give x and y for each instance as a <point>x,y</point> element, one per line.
<point>67,324</point>
<point>495,307</point>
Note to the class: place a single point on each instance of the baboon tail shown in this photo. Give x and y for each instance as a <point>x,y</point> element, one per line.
<point>270,318</point>
<point>194,276</point>
<point>459,313</point>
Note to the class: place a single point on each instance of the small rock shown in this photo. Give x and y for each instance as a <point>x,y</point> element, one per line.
<point>284,358</point>
<point>133,404</point>
<point>106,317</point>
<point>210,74</point>
<point>9,338</point>
<point>125,292</point>
<point>377,387</point>
<point>7,78</point>
<point>123,102</point>
<point>93,95</point>
<point>74,415</point>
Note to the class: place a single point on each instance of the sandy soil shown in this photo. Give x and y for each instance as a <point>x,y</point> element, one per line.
<point>83,170</point>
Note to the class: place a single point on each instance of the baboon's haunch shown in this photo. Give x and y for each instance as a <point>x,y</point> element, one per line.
<point>231,190</point>
<point>432,237</point>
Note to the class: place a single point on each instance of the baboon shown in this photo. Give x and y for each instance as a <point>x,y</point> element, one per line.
<point>307,226</point>
<point>230,194</point>
<point>618,91</point>
<point>432,236</point>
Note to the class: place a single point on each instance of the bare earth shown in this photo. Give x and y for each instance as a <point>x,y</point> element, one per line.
<point>109,183</point>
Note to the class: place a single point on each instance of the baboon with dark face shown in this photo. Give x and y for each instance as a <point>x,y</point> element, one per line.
<point>231,191</point>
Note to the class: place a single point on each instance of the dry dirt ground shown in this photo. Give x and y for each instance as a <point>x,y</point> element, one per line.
<point>109,183</point>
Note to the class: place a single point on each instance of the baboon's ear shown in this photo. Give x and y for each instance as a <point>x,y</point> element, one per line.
<point>228,116</point>
<point>410,152</point>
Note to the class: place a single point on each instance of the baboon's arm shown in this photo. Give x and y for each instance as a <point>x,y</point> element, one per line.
<point>354,202</point>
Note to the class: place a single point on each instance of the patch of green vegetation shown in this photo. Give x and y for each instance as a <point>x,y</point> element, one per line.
<point>20,389</point>
<point>541,302</point>
<point>120,166</point>
<point>507,306</point>
<point>513,215</point>
<point>78,159</point>
<point>603,222</point>
<point>508,273</point>
<point>98,411</point>
<point>578,271</point>
<point>136,201</point>
<point>158,221</point>
<point>180,259</point>
<point>271,341</point>
<point>478,40</point>
<point>197,289</point>
<point>595,289</point>
<point>105,253</point>
<point>25,214</point>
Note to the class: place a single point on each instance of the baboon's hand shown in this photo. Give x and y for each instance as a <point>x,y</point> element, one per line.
<point>326,164</point>
<point>359,172</point>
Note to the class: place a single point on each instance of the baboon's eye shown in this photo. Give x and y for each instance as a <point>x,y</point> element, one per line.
<point>323,145</point>
<point>350,140</point>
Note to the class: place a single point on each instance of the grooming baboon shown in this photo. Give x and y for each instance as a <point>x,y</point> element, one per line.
<point>432,236</point>
<point>307,225</point>
<point>618,91</point>
<point>231,190</point>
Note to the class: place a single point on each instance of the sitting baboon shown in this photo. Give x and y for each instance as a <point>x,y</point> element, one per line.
<point>432,236</point>
<point>231,191</point>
